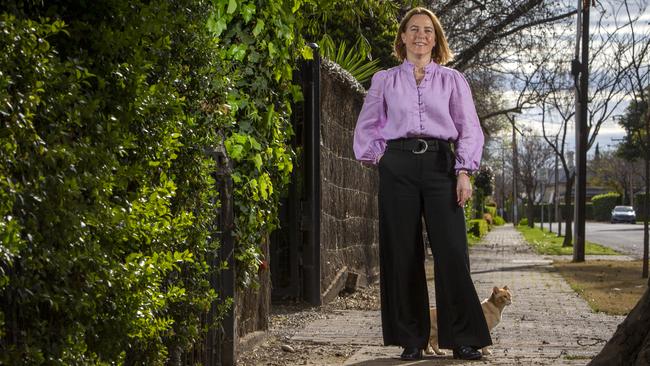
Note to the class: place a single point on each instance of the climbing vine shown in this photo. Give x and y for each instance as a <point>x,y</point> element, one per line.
<point>260,40</point>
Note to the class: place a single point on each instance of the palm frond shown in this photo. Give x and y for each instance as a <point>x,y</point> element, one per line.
<point>353,59</point>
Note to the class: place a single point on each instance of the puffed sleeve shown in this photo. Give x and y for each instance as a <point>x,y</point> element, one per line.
<point>368,144</point>
<point>469,145</point>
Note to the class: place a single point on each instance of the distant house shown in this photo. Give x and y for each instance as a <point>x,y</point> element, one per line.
<point>546,191</point>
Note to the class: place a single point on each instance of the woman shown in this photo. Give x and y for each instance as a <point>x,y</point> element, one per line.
<point>409,117</point>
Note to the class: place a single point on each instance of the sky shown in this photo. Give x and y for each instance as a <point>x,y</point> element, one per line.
<point>610,131</point>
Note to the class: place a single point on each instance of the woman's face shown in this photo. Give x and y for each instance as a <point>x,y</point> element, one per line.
<point>419,36</point>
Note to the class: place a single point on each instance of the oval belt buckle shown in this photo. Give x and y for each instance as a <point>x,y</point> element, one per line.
<point>422,147</point>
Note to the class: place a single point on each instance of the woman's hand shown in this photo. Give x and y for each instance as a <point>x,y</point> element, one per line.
<point>463,188</point>
<point>378,159</point>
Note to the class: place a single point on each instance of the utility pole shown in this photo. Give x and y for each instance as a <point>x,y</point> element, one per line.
<point>556,195</point>
<point>580,70</point>
<point>503,181</point>
<point>646,197</point>
<point>515,168</point>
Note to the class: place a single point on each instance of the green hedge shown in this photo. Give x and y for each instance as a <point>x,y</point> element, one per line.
<point>603,205</point>
<point>492,210</point>
<point>499,221</point>
<point>589,214</point>
<point>478,227</point>
<point>638,206</point>
<point>106,195</point>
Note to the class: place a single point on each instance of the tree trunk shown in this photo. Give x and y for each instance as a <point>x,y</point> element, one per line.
<point>630,344</point>
<point>645,215</point>
<point>530,213</point>
<point>568,216</point>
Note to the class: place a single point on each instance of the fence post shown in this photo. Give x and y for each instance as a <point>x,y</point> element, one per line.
<point>311,254</point>
<point>221,342</point>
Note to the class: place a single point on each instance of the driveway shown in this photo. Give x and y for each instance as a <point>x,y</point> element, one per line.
<point>625,238</point>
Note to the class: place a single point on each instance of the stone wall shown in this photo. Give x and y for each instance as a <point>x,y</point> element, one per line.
<point>349,218</point>
<point>252,308</point>
<point>349,232</point>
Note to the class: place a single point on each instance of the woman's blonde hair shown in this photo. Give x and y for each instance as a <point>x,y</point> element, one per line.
<point>441,53</point>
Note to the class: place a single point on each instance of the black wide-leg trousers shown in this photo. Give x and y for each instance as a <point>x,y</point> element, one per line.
<point>411,186</point>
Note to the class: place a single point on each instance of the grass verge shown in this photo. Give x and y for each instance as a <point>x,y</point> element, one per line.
<point>609,286</point>
<point>545,242</point>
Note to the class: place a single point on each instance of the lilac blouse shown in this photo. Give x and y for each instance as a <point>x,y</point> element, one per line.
<point>440,107</point>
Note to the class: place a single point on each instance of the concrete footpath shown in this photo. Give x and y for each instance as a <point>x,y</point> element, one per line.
<point>547,323</point>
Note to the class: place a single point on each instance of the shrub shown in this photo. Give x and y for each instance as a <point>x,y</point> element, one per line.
<point>498,221</point>
<point>488,218</point>
<point>638,205</point>
<point>106,196</point>
<point>523,221</point>
<point>492,210</point>
<point>478,227</point>
<point>603,204</point>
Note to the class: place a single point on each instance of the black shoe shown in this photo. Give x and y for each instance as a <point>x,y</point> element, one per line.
<point>411,353</point>
<point>467,353</point>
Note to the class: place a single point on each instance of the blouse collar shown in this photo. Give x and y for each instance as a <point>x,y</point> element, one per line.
<point>409,66</point>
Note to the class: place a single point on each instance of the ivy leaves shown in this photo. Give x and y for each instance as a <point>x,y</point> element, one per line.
<point>260,41</point>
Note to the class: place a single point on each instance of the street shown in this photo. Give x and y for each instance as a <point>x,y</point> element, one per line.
<point>625,238</point>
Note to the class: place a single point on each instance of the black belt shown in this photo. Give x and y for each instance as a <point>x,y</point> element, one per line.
<point>418,145</point>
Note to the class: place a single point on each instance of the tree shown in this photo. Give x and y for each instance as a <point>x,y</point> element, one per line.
<point>630,344</point>
<point>489,37</point>
<point>617,174</point>
<point>636,120</point>
<point>498,155</point>
<point>483,184</point>
<point>534,155</point>
<point>559,105</point>
<point>606,92</point>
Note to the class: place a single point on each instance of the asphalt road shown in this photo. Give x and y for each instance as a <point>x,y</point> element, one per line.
<point>625,238</point>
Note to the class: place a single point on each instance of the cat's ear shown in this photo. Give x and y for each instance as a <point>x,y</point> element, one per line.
<point>506,287</point>
<point>495,290</point>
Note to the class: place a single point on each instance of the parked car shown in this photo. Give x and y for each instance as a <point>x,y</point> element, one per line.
<point>623,214</point>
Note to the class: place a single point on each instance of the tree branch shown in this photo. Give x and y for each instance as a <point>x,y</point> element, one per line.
<point>538,22</point>
<point>468,54</point>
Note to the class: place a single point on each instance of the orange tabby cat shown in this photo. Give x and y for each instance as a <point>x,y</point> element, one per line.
<point>492,309</point>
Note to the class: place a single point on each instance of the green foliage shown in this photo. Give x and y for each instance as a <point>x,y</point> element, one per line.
<point>547,243</point>
<point>636,144</point>
<point>639,202</point>
<point>498,221</point>
<point>365,23</point>
<point>469,210</point>
<point>106,196</point>
<point>369,25</point>
<point>483,182</point>
<point>351,60</point>
<point>478,227</point>
<point>492,210</point>
<point>603,204</point>
<point>261,44</point>
<point>523,222</point>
